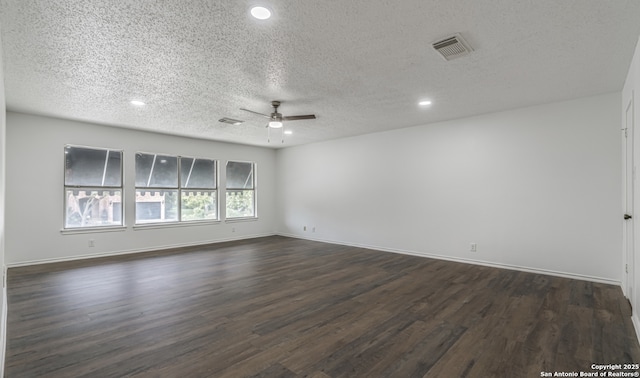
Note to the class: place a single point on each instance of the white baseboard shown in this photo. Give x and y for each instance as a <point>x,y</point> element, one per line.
<point>131,251</point>
<point>636,325</point>
<point>466,261</point>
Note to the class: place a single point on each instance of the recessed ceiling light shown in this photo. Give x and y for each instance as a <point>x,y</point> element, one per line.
<point>261,13</point>
<point>288,132</point>
<point>424,102</point>
<point>137,103</point>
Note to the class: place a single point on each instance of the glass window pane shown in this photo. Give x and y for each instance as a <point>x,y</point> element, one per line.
<point>92,167</point>
<point>113,174</point>
<point>197,173</point>
<point>155,206</point>
<point>239,175</point>
<point>153,170</point>
<point>240,203</point>
<point>93,208</point>
<point>143,168</point>
<point>198,205</point>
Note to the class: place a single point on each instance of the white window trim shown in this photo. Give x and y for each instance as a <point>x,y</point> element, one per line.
<point>241,219</point>
<point>92,230</point>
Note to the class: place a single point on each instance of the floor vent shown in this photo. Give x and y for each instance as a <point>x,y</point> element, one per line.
<point>452,47</point>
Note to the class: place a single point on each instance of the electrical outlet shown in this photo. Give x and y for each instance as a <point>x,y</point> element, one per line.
<point>92,243</point>
<point>233,229</point>
<point>304,228</point>
<point>313,229</point>
<point>474,247</point>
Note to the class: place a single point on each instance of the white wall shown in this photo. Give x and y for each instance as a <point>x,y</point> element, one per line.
<point>632,90</point>
<point>537,188</point>
<point>3,144</point>
<point>34,212</point>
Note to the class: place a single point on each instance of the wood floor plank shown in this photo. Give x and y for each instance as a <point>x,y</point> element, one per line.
<point>282,307</point>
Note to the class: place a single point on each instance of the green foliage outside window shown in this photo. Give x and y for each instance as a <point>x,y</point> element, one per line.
<point>240,203</point>
<point>198,205</point>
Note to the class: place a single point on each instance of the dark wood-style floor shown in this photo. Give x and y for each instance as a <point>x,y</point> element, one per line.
<point>281,307</point>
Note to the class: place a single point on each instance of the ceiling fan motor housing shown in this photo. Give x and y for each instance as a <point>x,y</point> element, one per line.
<point>276,119</point>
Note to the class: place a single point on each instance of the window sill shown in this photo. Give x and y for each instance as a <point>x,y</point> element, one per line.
<point>92,230</point>
<point>152,226</point>
<point>245,219</point>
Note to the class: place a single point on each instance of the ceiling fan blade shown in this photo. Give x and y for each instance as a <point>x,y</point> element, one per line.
<point>298,117</point>
<point>260,114</point>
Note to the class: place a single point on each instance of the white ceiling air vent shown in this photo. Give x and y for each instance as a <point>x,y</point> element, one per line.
<point>230,121</point>
<point>452,47</point>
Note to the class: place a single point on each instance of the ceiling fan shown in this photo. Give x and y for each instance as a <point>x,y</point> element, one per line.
<point>276,119</point>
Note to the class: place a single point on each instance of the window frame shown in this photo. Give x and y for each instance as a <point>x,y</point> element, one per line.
<point>179,189</point>
<point>254,189</point>
<point>91,188</point>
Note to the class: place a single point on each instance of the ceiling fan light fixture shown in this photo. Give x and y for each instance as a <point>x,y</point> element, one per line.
<point>261,13</point>
<point>276,119</point>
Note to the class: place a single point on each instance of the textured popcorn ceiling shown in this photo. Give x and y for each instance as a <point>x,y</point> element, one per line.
<point>360,66</point>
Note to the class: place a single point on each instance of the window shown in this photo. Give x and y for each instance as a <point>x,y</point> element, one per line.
<point>198,189</point>
<point>93,187</point>
<point>240,197</point>
<point>156,188</point>
<point>173,188</point>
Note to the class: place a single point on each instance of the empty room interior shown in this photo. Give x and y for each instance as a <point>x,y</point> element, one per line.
<point>263,188</point>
